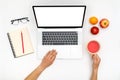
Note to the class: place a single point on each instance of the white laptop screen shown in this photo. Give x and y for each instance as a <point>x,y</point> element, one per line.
<point>59,16</point>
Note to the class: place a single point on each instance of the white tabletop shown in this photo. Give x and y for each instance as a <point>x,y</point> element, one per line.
<point>18,68</point>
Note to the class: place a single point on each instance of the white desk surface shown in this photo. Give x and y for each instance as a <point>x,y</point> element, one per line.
<point>18,68</point>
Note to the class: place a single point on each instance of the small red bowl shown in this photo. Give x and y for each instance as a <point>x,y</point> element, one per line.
<point>93,46</point>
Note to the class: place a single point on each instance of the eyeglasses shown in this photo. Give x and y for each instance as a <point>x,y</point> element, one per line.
<point>23,20</point>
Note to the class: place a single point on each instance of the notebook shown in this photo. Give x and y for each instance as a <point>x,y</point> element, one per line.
<point>20,42</point>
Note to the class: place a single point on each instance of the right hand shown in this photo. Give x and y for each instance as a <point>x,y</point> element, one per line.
<point>96,61</point>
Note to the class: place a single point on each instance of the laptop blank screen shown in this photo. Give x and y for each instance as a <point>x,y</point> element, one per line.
<point>59,16</point>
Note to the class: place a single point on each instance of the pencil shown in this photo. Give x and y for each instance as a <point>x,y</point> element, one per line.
<point>22,42</point>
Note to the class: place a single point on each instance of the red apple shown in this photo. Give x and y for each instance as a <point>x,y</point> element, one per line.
<point>104,23</point>
<point>94,30</point>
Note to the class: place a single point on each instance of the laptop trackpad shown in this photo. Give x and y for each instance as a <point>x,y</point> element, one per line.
<point>76,52</point>
<point>63,52</point>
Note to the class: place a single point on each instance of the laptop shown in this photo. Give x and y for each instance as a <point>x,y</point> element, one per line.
<point>60,27</point>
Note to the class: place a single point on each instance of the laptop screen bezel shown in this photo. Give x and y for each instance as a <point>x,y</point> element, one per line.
<point>60,6</point>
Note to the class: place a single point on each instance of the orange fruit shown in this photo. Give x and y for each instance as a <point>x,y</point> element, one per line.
<point>93,20</point>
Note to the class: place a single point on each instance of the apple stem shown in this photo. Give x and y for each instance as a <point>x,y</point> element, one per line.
<point>104,23</point>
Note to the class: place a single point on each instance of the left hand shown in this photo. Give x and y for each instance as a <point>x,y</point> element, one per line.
<point>48,59</point>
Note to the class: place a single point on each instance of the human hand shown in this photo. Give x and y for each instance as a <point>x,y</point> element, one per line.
<point>48,59</point>
<point>96,61</point>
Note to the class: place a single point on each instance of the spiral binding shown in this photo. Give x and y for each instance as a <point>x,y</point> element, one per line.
<point>13,50</point>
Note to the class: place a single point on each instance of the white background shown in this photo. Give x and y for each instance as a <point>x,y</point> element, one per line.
<point>18,68</point>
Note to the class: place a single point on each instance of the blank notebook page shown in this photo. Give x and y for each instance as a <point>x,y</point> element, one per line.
<point>18,44</point>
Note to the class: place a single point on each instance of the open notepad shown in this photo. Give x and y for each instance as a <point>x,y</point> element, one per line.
<point>20,42</point>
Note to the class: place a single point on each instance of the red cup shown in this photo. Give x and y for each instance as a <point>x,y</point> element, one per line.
<point>93,47</point>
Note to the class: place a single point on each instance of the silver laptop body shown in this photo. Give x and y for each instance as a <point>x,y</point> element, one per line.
<point>60,28</point>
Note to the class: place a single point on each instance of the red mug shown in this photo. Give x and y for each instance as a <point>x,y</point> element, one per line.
<point>93,47</point>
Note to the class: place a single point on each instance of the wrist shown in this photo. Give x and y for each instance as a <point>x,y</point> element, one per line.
<point>41,67</point>
<point>95,69</point>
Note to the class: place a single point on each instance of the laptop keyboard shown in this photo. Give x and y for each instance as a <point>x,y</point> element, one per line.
<point>60,38</point>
